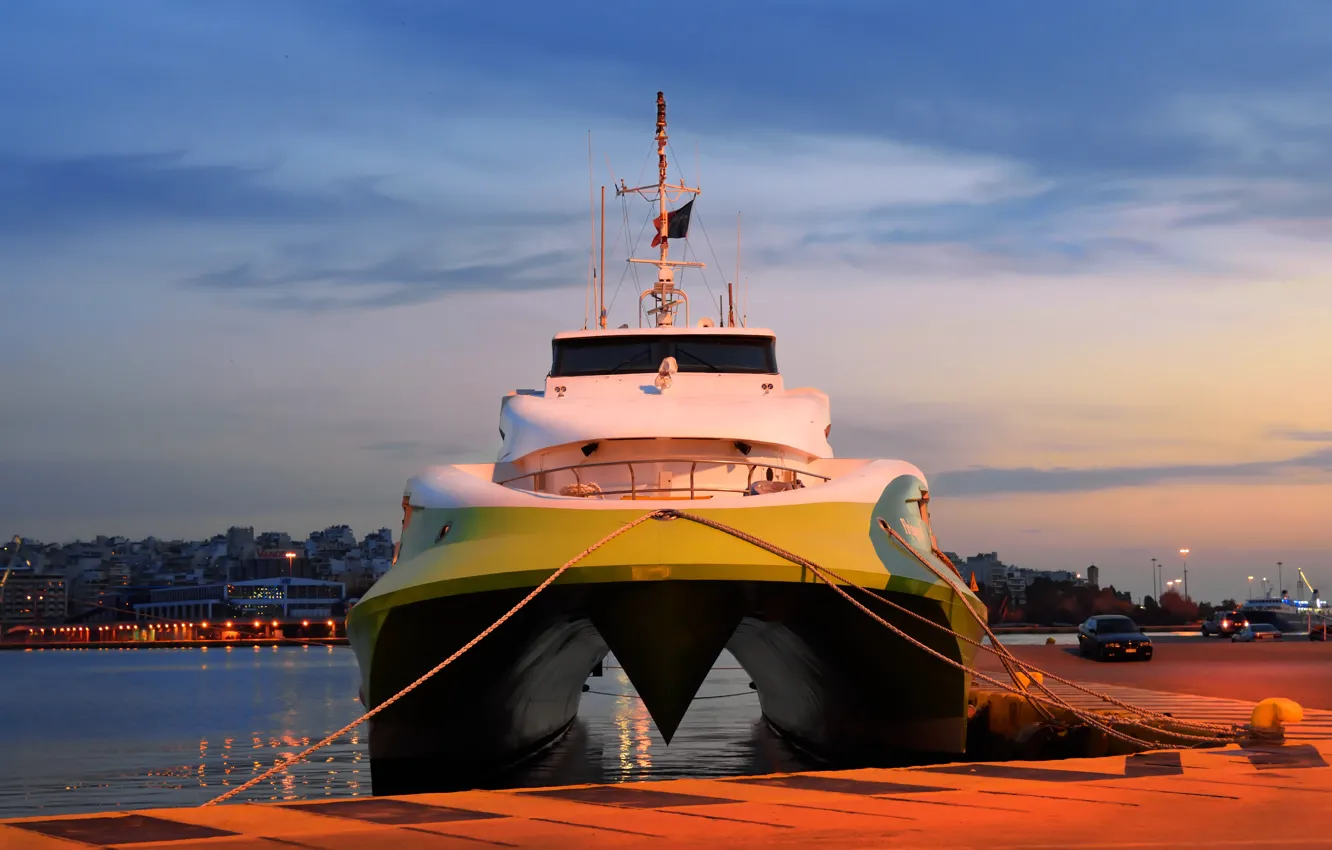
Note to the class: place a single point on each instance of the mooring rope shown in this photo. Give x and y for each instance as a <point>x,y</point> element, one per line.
<point>830,578</point>
<point>1011,663</point>
<point>301,756</point>
<point>998,648</point>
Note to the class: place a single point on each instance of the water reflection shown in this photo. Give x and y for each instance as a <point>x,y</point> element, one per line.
<point>631,721</point>
<point>614,740</point>
<point>97,730</point>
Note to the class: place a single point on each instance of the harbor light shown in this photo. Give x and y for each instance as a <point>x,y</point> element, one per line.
<point>305,622</point>
<point>204,624</point>
<point>228,624</point>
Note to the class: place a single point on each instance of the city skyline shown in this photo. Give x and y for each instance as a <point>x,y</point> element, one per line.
<point>265,262</point>
<point>1261,585</point>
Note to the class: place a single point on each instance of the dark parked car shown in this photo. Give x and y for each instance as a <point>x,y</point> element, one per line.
<point>1224,623</point>
<point>1113,636</point>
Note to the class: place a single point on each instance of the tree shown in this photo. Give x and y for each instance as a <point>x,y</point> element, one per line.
<point>1178,609</point>
<point>1149,612</point>
<point>1108,602</point>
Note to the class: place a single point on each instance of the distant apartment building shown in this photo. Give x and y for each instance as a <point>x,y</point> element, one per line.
<point>273,540</point>
<point>1002,579</point>
<point>378,545</point>
<point>240,542</point>
<point>275,563</point>
<point>335,538</point>
<point>29,597</point>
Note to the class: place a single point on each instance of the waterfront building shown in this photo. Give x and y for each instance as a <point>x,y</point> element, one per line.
<point>284,598</point>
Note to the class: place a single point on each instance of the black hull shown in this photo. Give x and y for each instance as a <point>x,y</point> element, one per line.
<point>837,684</point>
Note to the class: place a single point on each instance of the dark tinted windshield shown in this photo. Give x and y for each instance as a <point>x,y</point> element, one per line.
<point>1115,625</point>
<point>693,353</point>
<point>603,357</point>
<point>1263,627</point>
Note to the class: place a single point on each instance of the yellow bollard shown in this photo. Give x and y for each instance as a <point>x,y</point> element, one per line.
<point>1272,712</point>
<point>1025,678</point>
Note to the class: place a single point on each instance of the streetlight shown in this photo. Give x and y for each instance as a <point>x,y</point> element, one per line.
<point>1250,587</point>
<point>1281,584</point>
<point>291,557</point>
<point>1156,589</point>
<point>1184,553</point>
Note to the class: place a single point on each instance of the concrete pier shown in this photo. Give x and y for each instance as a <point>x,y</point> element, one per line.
<point>1230,797</point>
<point>1223,798</point>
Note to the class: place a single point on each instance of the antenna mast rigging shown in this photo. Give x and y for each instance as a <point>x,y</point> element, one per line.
<point>665,296</point>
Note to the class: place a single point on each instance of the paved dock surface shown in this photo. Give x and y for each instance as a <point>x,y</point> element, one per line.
<point>1261,797</point>
<point>1295,667</point>
<point>1216,799</point>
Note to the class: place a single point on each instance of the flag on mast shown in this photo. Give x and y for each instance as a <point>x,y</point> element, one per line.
<point>677,224</point>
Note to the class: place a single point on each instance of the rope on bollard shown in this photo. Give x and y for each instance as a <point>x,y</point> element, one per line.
<point>830,578</point>
<point>998,648</point>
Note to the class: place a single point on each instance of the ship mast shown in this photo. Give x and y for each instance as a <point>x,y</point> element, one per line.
<point>665,296</point>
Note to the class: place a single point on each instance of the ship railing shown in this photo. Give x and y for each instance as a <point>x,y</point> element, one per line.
<point>635,490</point>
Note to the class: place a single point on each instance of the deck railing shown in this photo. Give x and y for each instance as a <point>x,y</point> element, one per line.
<point>693,489</point>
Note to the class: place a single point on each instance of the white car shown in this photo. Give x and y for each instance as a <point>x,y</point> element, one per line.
<point>1256,631</point>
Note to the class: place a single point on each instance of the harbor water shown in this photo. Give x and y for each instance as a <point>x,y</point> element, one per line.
<point>99,729</point>
<point>94,730</point>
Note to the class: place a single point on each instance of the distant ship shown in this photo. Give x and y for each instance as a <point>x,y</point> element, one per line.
<point>694,417</point>
<point>1285,614</point>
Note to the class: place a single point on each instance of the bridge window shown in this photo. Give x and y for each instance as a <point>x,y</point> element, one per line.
<point>751,355</point>
<point>608,356</point>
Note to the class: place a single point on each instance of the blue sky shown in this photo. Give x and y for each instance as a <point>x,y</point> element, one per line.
<point>261,261</point>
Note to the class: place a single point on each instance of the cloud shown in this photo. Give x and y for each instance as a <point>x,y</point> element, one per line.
<point>119,492</point>
<point>420,449</point>
<point>985,481</point>
<point>927,436</point>
<point>1303,436</point>
<point>182,163</point>
<point>390,283</point>
<point>1111,88</point>
<point>64,194</point>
